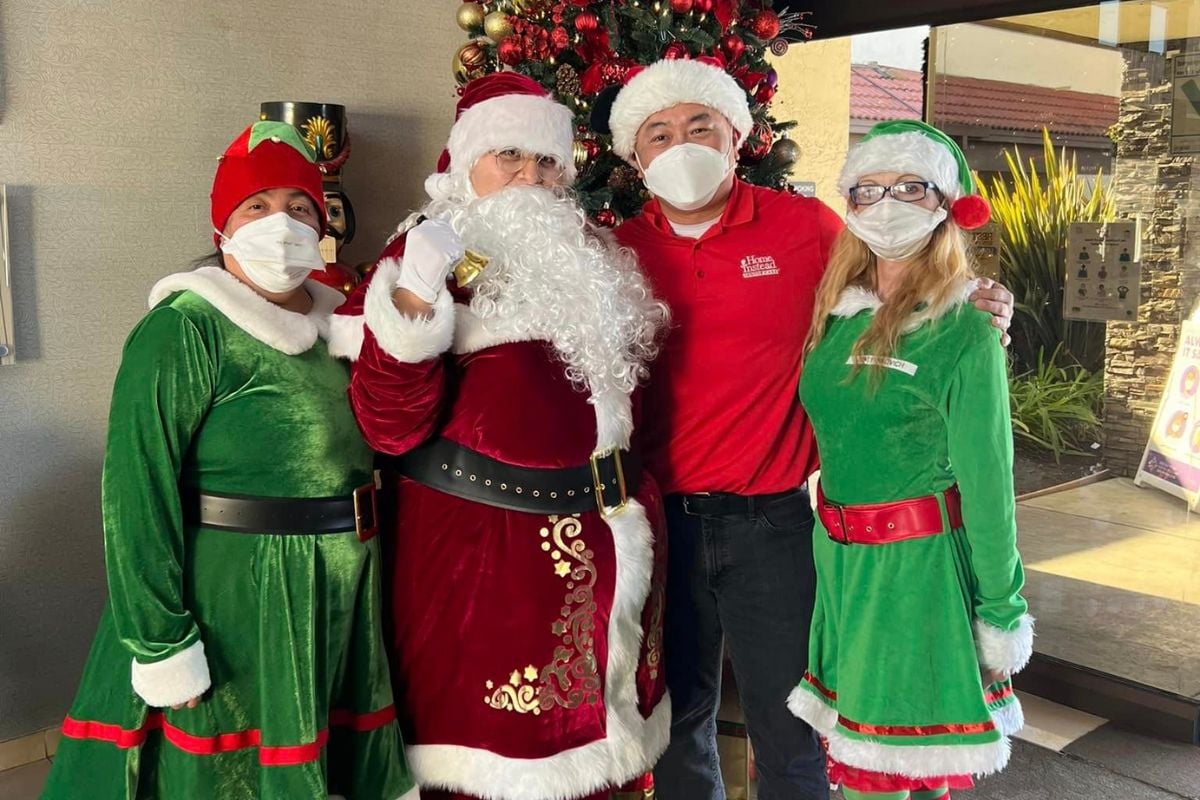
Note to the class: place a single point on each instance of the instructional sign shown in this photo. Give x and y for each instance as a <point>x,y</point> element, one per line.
<point>984,248</point>
<point>1171,461</point>
<point>1104,271</point>
<point>1185,104</point>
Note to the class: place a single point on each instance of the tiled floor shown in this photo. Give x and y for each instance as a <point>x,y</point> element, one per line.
<point>1113,577</point>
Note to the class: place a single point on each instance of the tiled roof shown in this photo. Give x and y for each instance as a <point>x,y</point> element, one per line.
<point>879,93</point>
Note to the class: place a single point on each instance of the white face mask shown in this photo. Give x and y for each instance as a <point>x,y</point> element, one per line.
<point>895,231</point>
<point>687,176</point>
<point>276,252</point>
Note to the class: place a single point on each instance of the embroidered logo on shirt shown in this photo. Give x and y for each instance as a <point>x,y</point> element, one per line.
<point>759,266</point>
<point>907,367</point>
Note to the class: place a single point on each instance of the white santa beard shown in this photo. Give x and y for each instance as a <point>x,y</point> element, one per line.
<point>549,278</point>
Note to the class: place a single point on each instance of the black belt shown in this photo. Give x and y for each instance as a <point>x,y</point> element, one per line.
<point>724,504</point>
<point>286,515</point>
<point>604,484</point>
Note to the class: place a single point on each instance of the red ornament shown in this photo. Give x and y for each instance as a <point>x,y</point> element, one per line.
<point>560,39</point>
<point>764,94</point>
<point>587,22</point>
<point>765,24</point>
<point>511,51</point>
<point>682,6</point>
<point>970,211</point>
<point>732,46</point>
<point>675,50</point>
<point>757,144</point>
<point>614,72</point>
<point>703,6</point>
<point>606,217</point>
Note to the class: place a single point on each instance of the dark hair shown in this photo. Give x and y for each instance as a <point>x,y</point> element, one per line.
<point>213,259</point>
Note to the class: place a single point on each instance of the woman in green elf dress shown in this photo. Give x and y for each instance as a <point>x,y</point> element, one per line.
<point>919,621</point>
<point>240,653</point>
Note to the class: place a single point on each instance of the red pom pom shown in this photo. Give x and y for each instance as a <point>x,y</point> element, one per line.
<point>970,212</point>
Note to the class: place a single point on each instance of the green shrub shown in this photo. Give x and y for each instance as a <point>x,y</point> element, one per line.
<point>1056,407</point>
<point>1032,215</point>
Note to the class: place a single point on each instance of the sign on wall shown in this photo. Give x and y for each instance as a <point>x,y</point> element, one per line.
<point>1104,271</point>
<point>1185,104</point>
<point>1171,461</point>
<point>984,248</point>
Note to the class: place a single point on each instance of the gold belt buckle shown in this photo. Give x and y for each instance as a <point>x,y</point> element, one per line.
<point>605,510</point>
<point>362,494</point>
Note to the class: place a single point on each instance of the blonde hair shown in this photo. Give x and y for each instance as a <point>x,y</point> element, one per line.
<point>931,279</point>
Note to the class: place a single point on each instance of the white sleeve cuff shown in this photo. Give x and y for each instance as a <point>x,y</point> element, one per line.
<point>1004,650</point>
<point>412,794</point>
<point>346,333</point>
<point>404,338</point>
<point>173,680</point>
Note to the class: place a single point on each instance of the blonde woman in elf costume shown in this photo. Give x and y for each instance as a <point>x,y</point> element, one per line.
<point>919,621</point>
<point>240,654</point>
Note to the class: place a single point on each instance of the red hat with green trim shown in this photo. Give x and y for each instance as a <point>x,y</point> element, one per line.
<point>911,147</point>
<point>268,155</point>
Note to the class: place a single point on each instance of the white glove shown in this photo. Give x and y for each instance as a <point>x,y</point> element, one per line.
<point>431,250</point>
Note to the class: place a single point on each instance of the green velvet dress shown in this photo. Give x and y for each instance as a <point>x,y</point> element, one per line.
<point>220,391</point>
<point>901,630</point>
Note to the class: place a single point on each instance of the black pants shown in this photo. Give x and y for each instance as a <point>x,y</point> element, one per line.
<point>748,577</point>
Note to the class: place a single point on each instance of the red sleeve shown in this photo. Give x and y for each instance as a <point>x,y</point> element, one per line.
<point>397,403</point>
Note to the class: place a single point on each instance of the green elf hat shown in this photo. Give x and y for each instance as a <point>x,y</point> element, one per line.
<point>267,155</point>
<point>910,146</point>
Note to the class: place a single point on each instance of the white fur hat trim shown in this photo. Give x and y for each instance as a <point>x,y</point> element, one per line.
<point>672,82</point>
<point>907,153</point>
<point>524,121</point>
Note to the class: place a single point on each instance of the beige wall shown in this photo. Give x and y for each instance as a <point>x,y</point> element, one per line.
<point>814,90</point>
<point>112,114</point>
<point>980,51</point>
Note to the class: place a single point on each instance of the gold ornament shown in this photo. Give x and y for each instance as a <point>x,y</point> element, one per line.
<point>470,17</point>
<point>469,62</point>
<point>526,7</point>
<point>497,26</point>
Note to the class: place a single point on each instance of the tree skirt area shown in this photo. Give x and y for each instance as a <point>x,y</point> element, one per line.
<point>1036,469</point>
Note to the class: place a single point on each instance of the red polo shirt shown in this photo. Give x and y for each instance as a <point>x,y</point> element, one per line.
<point>721,412</point>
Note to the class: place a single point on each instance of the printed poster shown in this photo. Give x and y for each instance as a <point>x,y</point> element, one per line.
<point>1171,461</point>
<point>1104,272</point>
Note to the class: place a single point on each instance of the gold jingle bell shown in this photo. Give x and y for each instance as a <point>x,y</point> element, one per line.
<point>471,267</point>
<point>470,17</point>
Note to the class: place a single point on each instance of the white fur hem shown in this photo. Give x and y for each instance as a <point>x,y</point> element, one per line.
<point>1004,650</point>
<point>173,680</point>
<point>916,761</point>
<point>412,794</point>
<point>570,774</point>
<point>286,331</point>
<point>346,334</point>
<point>407,339</point>
<point>855,299</point>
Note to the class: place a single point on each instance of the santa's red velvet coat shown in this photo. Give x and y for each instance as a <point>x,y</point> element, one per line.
<point>526,648</point>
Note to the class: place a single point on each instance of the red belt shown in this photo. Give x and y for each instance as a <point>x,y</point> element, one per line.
<point>882,523</point>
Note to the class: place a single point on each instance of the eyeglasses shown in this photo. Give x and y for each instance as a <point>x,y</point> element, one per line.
<point>906,192</point>
<point>511,160</point>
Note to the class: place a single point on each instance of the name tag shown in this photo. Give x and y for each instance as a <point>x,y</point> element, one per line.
<point>907,367</point>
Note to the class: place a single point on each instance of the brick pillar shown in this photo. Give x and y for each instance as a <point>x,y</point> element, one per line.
<point>1164,191</point>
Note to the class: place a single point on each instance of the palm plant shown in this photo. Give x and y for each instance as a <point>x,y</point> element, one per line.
<point>1032,214</point>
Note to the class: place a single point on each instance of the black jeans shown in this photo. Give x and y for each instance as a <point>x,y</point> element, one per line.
<point>748,577</point>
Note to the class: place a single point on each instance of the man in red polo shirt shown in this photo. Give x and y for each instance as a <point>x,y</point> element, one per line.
<point>722,427</point>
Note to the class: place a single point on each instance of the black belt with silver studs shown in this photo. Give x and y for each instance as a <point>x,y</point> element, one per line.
<point>605,483</point>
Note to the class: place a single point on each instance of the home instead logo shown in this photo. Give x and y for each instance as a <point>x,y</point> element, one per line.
<point>759,266</point>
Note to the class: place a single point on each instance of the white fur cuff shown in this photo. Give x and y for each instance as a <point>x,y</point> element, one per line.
<point>407,339</point>
<point>412,794</point>
<point>346,336</point>
<point>1004,650</point>
<point>173,680</point>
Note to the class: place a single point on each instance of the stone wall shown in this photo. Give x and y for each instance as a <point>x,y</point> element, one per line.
<point>1164,191</point>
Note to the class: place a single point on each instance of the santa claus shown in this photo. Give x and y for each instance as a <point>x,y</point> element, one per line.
<point>525,572</point>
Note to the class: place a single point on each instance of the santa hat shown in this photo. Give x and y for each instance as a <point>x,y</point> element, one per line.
<point>268,155</point>
<point>909,146</point>
<point>672,82</point>
<point>499,110</point>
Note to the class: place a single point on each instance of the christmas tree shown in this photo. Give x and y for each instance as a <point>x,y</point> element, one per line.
<point>578,48</point>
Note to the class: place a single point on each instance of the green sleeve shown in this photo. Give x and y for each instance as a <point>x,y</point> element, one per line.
<point>981,456</point>
<point>163,391</point>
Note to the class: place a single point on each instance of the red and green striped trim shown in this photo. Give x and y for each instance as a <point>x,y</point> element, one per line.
<point>268,755</point>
